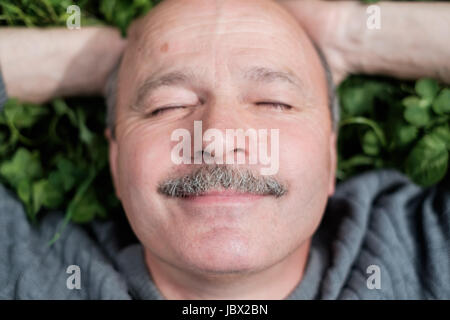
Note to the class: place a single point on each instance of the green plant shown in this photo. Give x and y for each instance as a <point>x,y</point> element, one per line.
<point>398,125</point>
<point>55,156</point>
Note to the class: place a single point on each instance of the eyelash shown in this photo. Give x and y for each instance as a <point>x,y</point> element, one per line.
<point>163,109</point>
<point>277,105</point>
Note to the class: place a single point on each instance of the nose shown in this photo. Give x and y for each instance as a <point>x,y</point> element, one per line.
<point>226,138</point>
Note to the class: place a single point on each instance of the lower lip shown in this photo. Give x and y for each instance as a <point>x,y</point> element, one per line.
<point>223,197</point>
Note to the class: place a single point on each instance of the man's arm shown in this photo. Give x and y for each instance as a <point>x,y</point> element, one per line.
<point>38,64</point>
<point>412,41</point>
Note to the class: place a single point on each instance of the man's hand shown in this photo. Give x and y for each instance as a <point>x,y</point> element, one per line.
<point>38,64</point>
<point>323,21</point>
<point>411,43</point>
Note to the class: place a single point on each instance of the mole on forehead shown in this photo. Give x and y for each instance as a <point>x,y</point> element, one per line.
<point>244,42</point>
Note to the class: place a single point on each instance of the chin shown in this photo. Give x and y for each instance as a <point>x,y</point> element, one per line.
<point>223,251</point>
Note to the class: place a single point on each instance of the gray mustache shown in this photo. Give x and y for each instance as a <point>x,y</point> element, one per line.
<point>213,177</point>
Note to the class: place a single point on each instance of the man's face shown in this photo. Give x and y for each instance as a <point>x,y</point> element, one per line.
<point>231,65</point>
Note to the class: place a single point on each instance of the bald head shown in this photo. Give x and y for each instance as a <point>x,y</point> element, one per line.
<point>191,19</point>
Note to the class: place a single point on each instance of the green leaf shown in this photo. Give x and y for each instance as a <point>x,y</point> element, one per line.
<point>85,134</point>
<point>23,115</point>
<point>404,135</point>
<point>370,144</point>
<point>24,191</point>
<point>87,208</point>
<point>355,101</point>
<point>443,133</point>
<point>427,162</point>
<point>441,104</point>
<point>107,9</point>
<point>68,174</point>
<point>81,192</point>
<point>417,116</point>
<point>427,88</point>
<point>365,121</point>
<point>356,161</point>
<point>23,166</point>
<point>411,102</point>
<point>61,109</point>
<point>45,194</point>
<point>122,12</point>
<point>425,103</point>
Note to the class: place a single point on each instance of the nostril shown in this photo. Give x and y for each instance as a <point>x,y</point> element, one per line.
<point>211,154</point>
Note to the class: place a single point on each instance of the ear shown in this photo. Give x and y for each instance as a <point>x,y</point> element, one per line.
<point>333,163</point>
<point>113,161</point>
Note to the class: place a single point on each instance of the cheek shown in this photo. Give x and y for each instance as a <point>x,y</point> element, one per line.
<point>144,158</point>
<point>304,145</point>
<point>305,154</point>
<point>304,159</point>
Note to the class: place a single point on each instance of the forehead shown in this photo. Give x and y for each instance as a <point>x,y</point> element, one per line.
<point>197,17</point>
<point>218,38</point>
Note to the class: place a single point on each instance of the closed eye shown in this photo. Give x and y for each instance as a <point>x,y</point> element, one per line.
<point>276,105</point>
<point>161,110</point>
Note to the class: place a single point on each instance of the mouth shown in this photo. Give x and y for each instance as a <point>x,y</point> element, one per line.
<point>223,197</point>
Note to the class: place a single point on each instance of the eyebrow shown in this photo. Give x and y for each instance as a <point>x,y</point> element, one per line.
<point>186,77</point>
<point>175,78</point>
<point>267,75</point>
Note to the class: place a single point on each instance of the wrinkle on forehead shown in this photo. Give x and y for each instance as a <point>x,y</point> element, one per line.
<point>213,16</point>
<point>219,30</point>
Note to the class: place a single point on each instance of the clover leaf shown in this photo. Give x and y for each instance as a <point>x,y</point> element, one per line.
<point>24,166</point>
<point>370,143</point>
<point>428,160</point>
<point>417,116</point>
<point>427,88</point>
<point>443,133</point>
<point>405,134</point>
<point>441,104</point>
